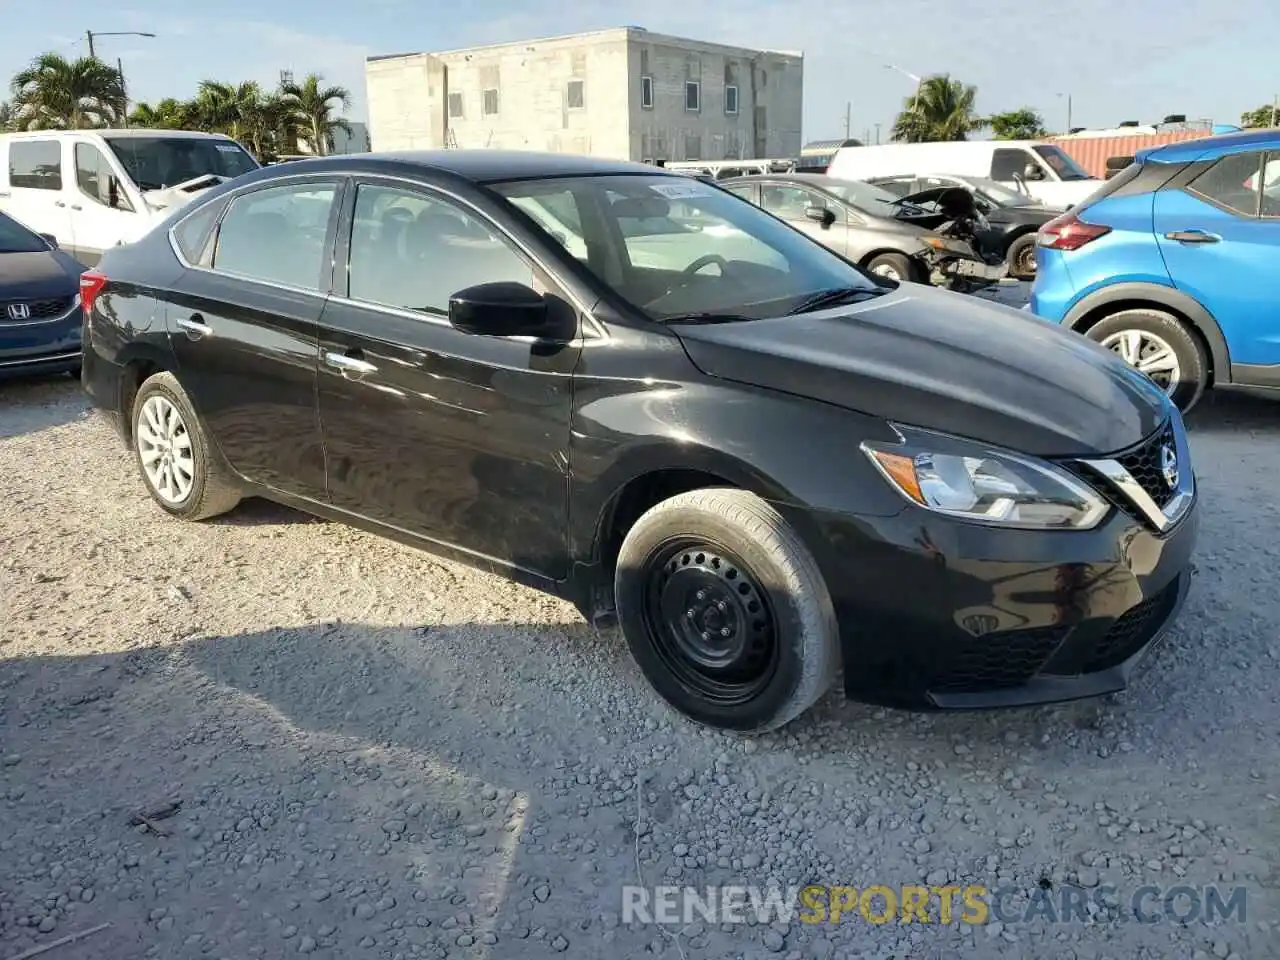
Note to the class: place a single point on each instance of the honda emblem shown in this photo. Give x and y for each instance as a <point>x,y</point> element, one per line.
<point>19,311</point>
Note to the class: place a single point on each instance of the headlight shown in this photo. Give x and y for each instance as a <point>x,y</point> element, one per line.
<point>971,481</point>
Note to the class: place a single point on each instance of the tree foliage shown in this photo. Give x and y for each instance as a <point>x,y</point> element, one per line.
<point>1264,116</point>
<point>942,109</point>
<point>1021,124</point>
<point>55,93</point>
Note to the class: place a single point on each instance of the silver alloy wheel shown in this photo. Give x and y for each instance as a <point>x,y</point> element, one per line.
<point>886,270</point>
<point>164,447</point>
<point>1148,353</point>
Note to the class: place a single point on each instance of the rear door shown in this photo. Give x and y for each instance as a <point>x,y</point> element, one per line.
<point>243,322</point>
<point>39,182</point>
<point>1221,243</point>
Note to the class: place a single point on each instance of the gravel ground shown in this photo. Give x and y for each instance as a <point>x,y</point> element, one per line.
<point>379,754</point>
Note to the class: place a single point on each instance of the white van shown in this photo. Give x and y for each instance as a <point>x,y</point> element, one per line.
<point>1042,170</point>
<point>97,189</point>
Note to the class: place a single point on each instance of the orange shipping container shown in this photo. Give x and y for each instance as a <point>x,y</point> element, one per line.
<point>1092,153</point>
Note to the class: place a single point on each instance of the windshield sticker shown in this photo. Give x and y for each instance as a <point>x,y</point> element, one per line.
<point>680,190</point>
<point>227,147</point>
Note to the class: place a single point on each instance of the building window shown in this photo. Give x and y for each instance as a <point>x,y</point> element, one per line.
<point>646,93</point>
<point>575,95</point>
<point>455,106</point>
<point>693,148</point>
<point>490,102</point>
<point>692,96</point>
<point>731,100</point>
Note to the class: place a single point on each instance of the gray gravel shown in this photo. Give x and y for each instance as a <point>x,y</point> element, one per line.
<point>379,754</point>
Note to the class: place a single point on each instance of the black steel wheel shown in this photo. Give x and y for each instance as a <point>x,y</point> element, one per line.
<point>1022,257</point>
<point>725,610</point>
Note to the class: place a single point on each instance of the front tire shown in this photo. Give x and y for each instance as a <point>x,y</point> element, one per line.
<point>726,611</point>
<point>1161,346</point>
<point>179,467</point>
<point>1021,257</point>
<point>892,266</point>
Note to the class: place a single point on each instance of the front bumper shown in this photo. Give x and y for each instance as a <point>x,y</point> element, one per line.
<point>940,614</point>
<point>35,347</point>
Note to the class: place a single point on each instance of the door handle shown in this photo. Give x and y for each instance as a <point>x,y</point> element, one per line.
<point>1192,236</point>
<point>195,327</point>
<point>58,203</point>
<point>349,364</point>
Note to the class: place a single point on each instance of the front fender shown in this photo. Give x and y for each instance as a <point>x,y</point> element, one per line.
<point>795,452</point>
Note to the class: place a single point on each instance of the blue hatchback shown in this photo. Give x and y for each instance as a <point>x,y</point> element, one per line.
<point>1175,265</point>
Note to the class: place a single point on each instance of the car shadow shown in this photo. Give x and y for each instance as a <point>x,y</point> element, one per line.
<point>256,511</point>
<point>32,404</point>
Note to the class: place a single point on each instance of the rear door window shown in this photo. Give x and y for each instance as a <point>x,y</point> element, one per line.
<point>788,202</point>
<point>1232,184</point>
<point>1271,186</point>
<point>277,235</point>
<point>35,164</point>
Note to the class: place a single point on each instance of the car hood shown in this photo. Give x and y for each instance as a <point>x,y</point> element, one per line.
<point>946,362</point>
<point>38,276</point>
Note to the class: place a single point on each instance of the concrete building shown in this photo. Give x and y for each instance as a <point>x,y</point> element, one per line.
<point>624,93</point>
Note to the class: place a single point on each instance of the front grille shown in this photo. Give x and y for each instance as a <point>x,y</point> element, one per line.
<point>45,309</point>
<point>1131,631</point>
<point>999,660</point>
<point>1144,466</point>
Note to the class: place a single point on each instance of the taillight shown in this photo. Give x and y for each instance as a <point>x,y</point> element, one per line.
<point>1069,232</point>
<point>91,284</point>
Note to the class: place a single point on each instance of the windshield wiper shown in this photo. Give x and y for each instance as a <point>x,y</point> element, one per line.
<point>706,318</point>
<point>836,297</point>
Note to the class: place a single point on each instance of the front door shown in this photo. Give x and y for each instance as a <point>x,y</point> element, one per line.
<point>244,329</point>
<point>457,438</point>
<point>40,180</point>
<point>1221,244</point>
<point>104,214</point>
<point>789,202</point>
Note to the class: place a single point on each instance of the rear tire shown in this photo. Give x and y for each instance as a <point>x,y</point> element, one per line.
<point>1149,334</point>
<point>1021,257</point>
<point>893,266</point>
<point>180,468</point>
<point>726,611</point>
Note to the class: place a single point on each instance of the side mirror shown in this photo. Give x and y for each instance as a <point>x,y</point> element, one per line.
<point>50,239</point>
<point>499,310</point>
<point>822,215</point>
<point>1032,171</point>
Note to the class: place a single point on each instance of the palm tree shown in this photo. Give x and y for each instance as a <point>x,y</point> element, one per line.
<point>313,106</point>
<point>941,109</point>
<point>167,114</point>
<point>58,94</point>
<point>8,120</point>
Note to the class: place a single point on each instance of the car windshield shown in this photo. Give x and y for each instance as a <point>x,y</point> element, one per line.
<point>154,163</point>
<point>999,194</point>
<point>864,196</point>
<point>674,247</point>
<point>15,238</point>
<point>1063,165</point>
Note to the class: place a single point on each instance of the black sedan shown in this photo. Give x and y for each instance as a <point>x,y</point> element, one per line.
<point>1012,218</point>
<point>39,304</point>
<point>633,390</point>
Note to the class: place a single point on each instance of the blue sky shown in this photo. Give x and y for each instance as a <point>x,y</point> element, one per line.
<point>1136,59</point>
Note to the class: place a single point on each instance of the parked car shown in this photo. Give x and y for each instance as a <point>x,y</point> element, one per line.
<point>863,228</point>
<point>96,189</point>
<point>764,465</point>
<point>1041,170</point>
<point>1012,218</point>
<point>1173,265</point>
<point>39,304</point>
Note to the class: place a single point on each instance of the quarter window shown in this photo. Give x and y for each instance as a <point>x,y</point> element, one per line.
<point>277,235</point>
<point>192,233</point>
<point>1232,183</point>
<point>414,251</point>
<point>96,180</point>
<point>35,164</point>
<point>1271,186</point>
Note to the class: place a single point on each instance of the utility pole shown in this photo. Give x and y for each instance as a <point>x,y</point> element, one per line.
<point>877,134</point>
<point>848,114</point>
<point>89,36</point>
<point>124,94</point>
<point>1275,110</point>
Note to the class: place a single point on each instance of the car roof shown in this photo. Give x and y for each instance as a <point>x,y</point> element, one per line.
<point>478,166</point>
<point>814,179</point>
<point>1210,148</point>
<point>118,133</point>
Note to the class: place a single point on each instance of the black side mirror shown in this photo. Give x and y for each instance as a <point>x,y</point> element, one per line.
<point>822,215</point>
<point>500,310</point>
<point>1032,171</point>
<point>50,239</point>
